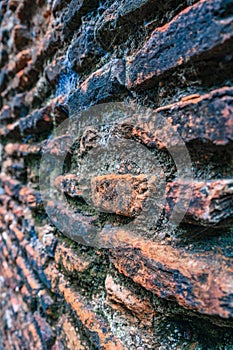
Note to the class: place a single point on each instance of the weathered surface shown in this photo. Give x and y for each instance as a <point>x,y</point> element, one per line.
<point>99,86</point>
<point>206,117</point>
<point>117,23</point>
<point>84,50</point>
<point>120,194</point>
<point>198,281</point>
<point>203,202</point>
<point>99,332</point>
<point>209,202</point>
<point>73,14</point>
<point>87,263</point>
<point>194,35</point>
<point>118,296</point>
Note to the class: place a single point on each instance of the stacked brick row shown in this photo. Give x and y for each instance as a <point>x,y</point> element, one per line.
<point>57,59</point>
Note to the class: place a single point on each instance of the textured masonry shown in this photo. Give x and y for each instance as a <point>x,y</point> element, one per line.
<point>148,285</point>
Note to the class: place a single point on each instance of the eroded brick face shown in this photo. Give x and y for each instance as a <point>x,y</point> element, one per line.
<point>105,271</point>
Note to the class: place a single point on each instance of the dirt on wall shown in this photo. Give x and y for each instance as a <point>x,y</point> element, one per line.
<point>116,174</point>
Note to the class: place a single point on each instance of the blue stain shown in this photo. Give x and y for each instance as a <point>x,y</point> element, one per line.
<point>67,82</point>
<point>68,79</point>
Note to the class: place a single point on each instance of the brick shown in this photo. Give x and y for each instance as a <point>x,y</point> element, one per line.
<point>31,198</point>
<point>192,119</point>
<point>119,20</point>
<point>120,297</point>
<point>73,14</point>
<point>45,331</point>
<point>210,201</point>
<point>15,168</point>
<point>69,335</point>
<point>192,36</point>
<point>24,10</point>
<point>9,245</point>
<point>198,281</point>
<point>120,194</point>
<point>19,106</point>
<point>98,331</point>
<point>30,279</point>
<point>20,62</point>
<point>68,259</point>
<point>19,150</point>
<point>84,50</point>
<point>11,186</point>
<point>24,194</point>
<point>21,37</point>
<point>99,87</point>
<point>26,78</point>
<point>11,131</point>
<point>60,110</point>
<point>19,234</point>
<point>78,227</point>
<point>202,202</point>
<point>39,121</point>
<point>31,332</point>
<point>58,146</point>
<point>49,45</point>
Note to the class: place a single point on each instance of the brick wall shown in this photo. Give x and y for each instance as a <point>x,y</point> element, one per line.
<point>156,285</point>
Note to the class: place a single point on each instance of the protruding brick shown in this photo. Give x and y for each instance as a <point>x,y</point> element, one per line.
<point>188,120</point>
<point>193,36</point>
<point>196,280</point>
<point>207,202</point>
<point>120,194</point>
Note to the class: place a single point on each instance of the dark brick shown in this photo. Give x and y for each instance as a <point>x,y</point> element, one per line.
<point>84,50</point>
<point>73,14</point>
<point>120,19</point>
<point>39,121</point>
<point>101,86</point>
<point>207,118</point>
<point>196,34</point>
<point>3,57</point>
<point>21,37</point>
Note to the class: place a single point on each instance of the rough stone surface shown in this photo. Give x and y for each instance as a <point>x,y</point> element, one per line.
<point>104,271</point>
<point>207,25</point>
